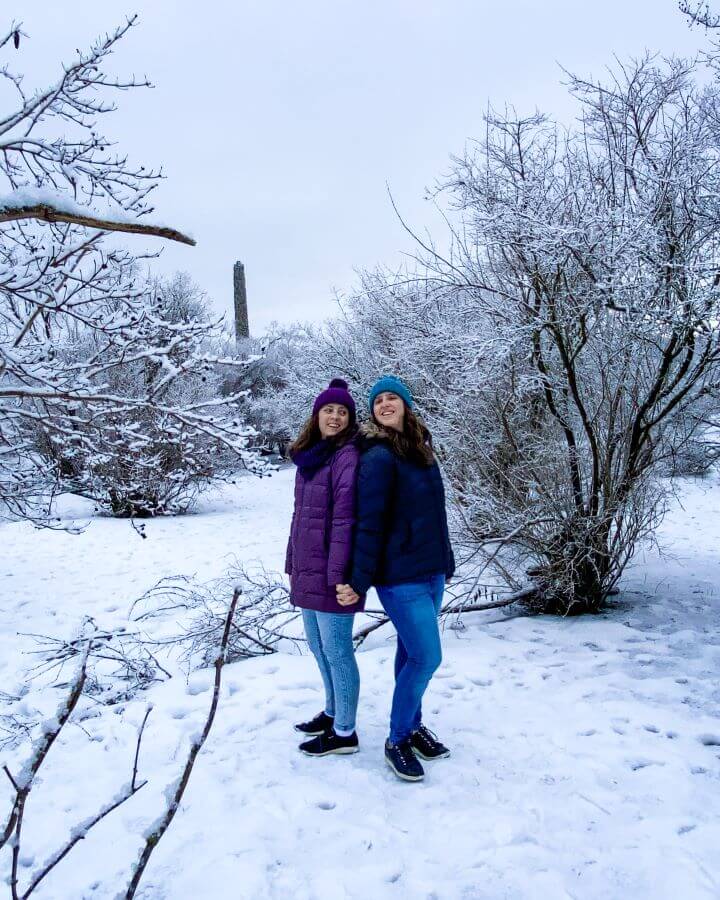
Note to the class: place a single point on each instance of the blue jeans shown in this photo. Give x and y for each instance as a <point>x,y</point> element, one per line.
<point>329,636</point>
<point>413,609</point>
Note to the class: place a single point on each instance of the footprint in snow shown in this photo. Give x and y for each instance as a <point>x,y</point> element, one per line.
<point>637,764</point>
<point>326,804</point>
<point>298,686</point>
<point>671,735</point>
<point>482,682</point>
<point>684,829</point>
<point>709,740</point>
<point>589,733</point>
<point>653,729</point>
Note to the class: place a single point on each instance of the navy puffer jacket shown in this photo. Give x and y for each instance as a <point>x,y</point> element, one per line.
<point>401,530</point>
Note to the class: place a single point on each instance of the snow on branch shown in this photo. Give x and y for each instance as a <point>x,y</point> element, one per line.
<point>50,212</point>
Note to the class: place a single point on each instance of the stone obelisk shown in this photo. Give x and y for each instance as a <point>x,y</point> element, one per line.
<point>242,326</point>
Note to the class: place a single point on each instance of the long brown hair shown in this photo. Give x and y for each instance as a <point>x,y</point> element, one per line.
<point>413,443</point>
<point>310,435</point>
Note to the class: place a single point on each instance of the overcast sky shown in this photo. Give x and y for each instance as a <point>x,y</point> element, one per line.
<point>279,124</point>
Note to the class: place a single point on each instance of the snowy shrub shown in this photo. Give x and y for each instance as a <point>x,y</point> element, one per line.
<point>198,613</point>
<point>147,458</point>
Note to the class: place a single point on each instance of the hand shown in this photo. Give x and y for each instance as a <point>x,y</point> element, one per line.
<point>346,596</point>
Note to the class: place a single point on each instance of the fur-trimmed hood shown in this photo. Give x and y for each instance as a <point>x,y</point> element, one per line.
<point>370,434</point>
<point>371,431</point>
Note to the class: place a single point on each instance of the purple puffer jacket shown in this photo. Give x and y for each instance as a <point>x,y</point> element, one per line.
<point>321,534</point>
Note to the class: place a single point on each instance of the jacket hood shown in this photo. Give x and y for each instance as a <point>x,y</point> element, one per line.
<point>370,432</point>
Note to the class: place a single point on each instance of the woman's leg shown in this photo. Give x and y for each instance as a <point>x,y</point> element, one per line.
<point>337,645</point>
<point>437,587</point>
<point>312,633</point>
<point>412,609</point>
<point>400,657</point>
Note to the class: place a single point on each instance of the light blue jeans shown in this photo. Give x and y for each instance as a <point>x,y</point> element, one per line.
<point>413,609</point>
<point>329,637</point>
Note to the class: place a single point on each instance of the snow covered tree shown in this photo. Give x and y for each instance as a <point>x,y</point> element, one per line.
<point>64,284</point>
<point>594,254</point>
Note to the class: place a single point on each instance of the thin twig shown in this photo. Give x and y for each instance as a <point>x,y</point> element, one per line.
<point>41,751</point>
<point>164,822</point>
<point>80,833</point>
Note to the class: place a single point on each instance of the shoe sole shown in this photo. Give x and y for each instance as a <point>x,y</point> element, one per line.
<point>431,758</point>
<point>308,733</point>
<point>404,777</point>
<point>340,751</point>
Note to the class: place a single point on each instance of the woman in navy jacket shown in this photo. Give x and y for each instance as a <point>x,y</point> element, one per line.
<point>401,547</point>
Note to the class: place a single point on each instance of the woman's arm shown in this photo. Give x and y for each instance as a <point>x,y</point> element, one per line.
<point>375,484</point>
<point>343,477</point>
<point>288,553</point>
<point>289,550</point>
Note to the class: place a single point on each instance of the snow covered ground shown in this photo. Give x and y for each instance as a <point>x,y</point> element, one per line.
<point>586,753</point>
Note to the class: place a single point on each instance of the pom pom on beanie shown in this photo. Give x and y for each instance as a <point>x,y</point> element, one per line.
<point>336,392</point>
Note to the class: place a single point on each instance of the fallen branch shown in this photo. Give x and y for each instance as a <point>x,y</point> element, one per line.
<point>526,593</point>
<point>45,212</point>
<point>161,826</point>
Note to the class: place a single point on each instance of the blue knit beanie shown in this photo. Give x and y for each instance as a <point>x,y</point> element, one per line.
<point>336,392</point>
<point>393,384</point>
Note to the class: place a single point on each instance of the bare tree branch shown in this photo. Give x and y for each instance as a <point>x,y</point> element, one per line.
<point>44,212</point>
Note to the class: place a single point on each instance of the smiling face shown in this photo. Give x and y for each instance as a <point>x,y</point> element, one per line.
<point>389,410</point>
<point>333,419</point>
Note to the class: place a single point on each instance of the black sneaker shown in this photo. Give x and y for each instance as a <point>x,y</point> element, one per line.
<point>403,762</point>
<point>319,725</point>
<point>328,742</point>
<point>426,745</point>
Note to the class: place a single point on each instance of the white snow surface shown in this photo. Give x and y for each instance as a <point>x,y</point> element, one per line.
<point>585,752</point>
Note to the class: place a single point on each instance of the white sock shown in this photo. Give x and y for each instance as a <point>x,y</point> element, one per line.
<point>340,733</point>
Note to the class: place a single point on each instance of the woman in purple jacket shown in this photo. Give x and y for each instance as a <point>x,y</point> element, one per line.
<point>318,559</point>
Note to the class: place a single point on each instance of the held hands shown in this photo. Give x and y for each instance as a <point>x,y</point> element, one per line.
<point>346,596</point>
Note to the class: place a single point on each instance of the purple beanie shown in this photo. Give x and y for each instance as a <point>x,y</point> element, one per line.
<point>337,392</point>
